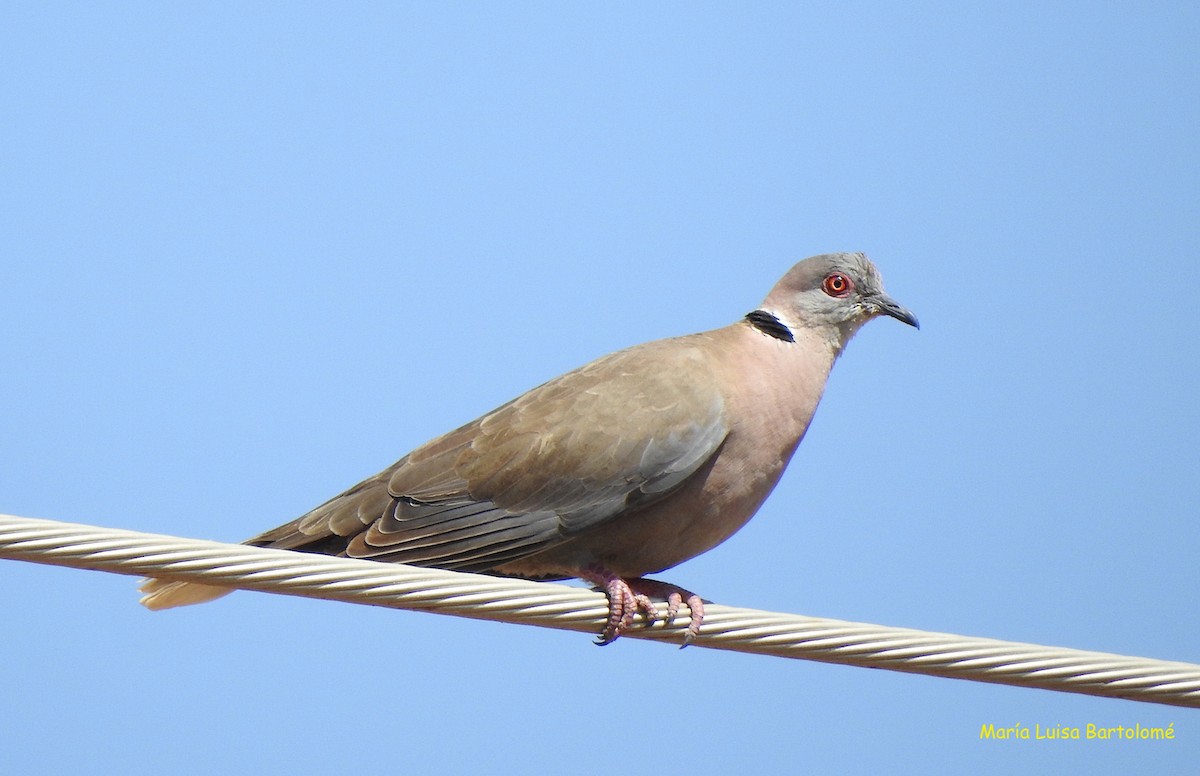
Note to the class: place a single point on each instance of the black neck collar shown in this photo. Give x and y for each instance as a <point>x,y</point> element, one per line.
<point>767,323</point>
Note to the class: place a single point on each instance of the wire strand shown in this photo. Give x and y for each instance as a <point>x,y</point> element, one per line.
<point>570,608</point>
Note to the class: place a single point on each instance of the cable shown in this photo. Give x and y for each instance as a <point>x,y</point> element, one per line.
<point>571,608</point>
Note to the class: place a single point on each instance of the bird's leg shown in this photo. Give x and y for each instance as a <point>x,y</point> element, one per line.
<point>627,597</point>
<point>675,596</point>
<point>623,604</point>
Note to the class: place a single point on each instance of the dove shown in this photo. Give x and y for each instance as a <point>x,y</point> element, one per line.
<point>624,467</point>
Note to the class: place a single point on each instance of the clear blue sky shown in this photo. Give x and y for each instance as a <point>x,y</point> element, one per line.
<point>250,255</point>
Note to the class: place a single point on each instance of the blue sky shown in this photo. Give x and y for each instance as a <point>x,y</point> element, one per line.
<point>251,255</point>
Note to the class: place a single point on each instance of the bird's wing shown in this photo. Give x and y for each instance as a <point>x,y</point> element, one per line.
<point>625,430</point>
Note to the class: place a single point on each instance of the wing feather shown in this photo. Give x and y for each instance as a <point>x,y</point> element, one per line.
<point>621,431</point>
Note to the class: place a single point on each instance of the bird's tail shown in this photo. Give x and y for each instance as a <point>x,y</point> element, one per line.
<point>165,594</point>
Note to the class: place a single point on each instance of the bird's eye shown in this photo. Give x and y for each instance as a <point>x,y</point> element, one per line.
<point>837,284</point>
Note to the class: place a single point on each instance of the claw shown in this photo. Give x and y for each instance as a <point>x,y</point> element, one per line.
<point>643,602</point>
<point>696,607</point>
<point>627,597</point>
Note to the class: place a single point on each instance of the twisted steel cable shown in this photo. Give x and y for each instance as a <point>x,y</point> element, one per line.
<point>571,608</point>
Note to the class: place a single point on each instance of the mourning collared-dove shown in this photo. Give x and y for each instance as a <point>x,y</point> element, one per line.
<point>623,467</point>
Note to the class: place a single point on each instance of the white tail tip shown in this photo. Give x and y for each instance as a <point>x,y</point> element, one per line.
<point>165,594</point>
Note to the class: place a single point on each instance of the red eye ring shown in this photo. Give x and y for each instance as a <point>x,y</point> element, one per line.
<point>837,284</point>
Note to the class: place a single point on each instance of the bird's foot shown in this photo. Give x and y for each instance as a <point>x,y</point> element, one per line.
<point>626,597</point>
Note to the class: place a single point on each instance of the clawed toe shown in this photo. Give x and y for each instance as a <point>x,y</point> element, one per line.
<point>627,597</point>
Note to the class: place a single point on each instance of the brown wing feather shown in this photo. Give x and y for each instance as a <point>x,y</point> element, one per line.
<point>578,450</point>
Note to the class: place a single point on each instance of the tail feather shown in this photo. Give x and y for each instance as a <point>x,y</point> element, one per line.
<point>166,594</point>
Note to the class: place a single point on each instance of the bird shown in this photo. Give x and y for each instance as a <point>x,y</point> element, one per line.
<point>624,467</point>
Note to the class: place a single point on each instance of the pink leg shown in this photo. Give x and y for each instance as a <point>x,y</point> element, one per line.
<point>675,597</point>
<point>627,597</point>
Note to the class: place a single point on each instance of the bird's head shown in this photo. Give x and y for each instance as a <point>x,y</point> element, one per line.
<point>835,293</point>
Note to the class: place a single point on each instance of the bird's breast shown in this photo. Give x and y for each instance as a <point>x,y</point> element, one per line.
<point>771,390</point>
